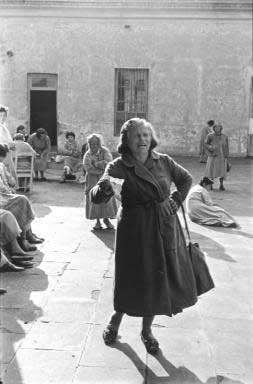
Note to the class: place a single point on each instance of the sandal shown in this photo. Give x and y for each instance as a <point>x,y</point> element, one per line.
<point>150,343</point>
<point>110,335</point>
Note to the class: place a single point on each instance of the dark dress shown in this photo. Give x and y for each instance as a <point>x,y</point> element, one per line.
<point>153,271</point>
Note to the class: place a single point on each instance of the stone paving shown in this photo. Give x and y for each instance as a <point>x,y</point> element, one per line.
<point>53,315</point>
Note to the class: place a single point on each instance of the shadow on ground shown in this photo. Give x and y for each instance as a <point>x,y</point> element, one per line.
<point>176,375</point>
<point>211,247</point>
<point>18,312</point>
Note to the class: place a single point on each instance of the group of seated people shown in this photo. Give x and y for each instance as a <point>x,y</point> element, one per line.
<point>16,216</point>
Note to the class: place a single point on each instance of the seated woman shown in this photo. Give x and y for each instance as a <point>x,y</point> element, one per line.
<point>202,210</point>
<point>18,205</point>
<point>10,230</point>
<point>95,161</point>
<point>21,147</point>
<point>72,157</point>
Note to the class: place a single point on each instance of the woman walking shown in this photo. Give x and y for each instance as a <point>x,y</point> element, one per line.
<point>153,271</point>
<point>40,142</point>
<point>218,151</point>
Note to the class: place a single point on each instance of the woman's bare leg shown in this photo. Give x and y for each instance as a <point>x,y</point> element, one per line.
<point>150,342</point>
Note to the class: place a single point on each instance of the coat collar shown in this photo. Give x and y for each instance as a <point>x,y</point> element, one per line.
<point>130,161</point>
<point>143,171</point>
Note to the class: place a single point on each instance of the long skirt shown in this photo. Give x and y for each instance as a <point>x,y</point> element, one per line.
<point>9,228</point>
<point>40,164</point>
<point>203,214</point>
<point>8,162</point>
<point>20,207</point>
<point>216,167</point>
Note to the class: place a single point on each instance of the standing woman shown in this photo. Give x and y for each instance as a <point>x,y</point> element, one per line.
<point>95,161</point>
<point>218,152</point>
<point>40,142</point>
<point>153,270</point>
<point>6,139</point>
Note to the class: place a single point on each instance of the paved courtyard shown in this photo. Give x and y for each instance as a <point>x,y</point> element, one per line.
<point>53,315</point>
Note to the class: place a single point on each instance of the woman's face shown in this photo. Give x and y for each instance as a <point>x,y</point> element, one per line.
<point>3,117</point>
<point>71,139</point>
<point>139,140</point>
<point>94,145</point>
<point>218,128</point>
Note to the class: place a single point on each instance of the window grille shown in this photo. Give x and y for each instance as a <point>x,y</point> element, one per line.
<point>131,95</point>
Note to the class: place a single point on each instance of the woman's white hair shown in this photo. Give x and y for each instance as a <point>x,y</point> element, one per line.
<point>96,136</point>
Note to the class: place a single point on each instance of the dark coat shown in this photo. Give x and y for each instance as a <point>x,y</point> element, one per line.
<point>153,271</point>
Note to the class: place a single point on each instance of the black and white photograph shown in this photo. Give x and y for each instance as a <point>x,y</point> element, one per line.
<point>126,192</point>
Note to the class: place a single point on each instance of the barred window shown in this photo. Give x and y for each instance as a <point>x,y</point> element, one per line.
<point>131,95</point>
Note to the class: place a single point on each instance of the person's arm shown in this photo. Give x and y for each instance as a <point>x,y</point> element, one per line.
<point>206,197</point>
<point>89,166</point>
<point>47,149</point>
<point>103,190</point>
<point>107,159</point>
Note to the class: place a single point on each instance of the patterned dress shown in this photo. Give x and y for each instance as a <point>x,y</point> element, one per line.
<point>93,174</point>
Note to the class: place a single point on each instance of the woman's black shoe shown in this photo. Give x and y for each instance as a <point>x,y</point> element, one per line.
<point>150,343</point>
<point>110,335</point>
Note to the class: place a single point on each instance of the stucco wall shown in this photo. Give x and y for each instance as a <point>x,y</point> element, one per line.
<point>199,70</point>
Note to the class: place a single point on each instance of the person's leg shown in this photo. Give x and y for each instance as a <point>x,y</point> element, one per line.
<point>24,244</point>
<point>108,223</point>
<point>97,225</point>
<point>36,175</point>
<point>150,342</point>
<point>221,184</point>
<point>111,331</point>
<point>32,238</point>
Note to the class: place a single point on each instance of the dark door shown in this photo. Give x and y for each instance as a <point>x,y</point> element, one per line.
<point>43,113</point>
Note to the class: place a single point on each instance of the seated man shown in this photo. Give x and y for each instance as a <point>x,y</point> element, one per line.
<point>71,157</point>
<point>18,205</point>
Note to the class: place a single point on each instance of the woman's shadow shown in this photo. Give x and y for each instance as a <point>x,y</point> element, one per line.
<point>175,375</point>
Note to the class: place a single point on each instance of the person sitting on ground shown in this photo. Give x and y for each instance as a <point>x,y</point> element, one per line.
<point>40,142</point>
<point>10,231</point>
<point>21,147</point>
<point>95,161</point>
<point>202,210</point>
<point>18,205</point>
<point>21,129</point>
<point>71,156</point>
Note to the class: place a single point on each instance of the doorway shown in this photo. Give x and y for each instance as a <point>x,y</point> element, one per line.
<point>43,113</point>
<point>42,98</point>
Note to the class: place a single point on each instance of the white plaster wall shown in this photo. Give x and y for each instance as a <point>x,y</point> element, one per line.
<point>199,70</point>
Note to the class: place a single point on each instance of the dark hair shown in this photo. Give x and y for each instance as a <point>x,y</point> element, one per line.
<point>210,123</point>
<point>3,150</point>
<point>69,133</point>
<point>41,131</point>
<point>3,109</point>
<point>20,128</point>
<point>133,124</point>
<point>205,180</point>
<point>19,136</point>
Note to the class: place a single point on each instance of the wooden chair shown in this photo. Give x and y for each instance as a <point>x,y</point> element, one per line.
<point>23,163</point>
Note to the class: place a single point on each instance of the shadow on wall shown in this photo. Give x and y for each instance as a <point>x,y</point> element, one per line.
<point>176,375</point>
